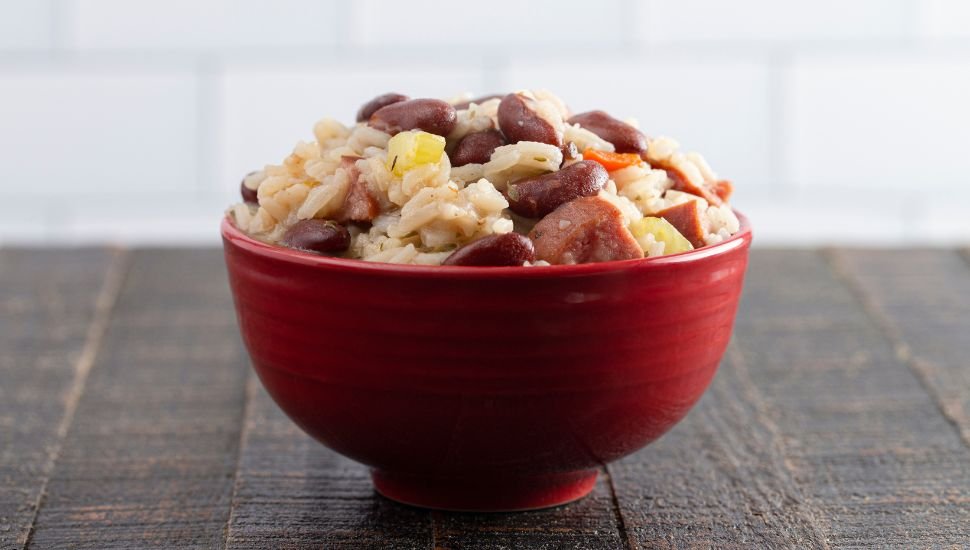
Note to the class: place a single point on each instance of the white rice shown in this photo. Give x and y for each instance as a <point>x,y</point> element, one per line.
<point>521,160</point>
<point>476,118</point>
<point>584,139</point>
<point>435,208</point>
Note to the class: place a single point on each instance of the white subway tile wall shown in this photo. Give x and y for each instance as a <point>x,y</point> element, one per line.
<point>496,23</point>
<point>945,18</point>
<point>839,121</point>
<point>25,24</point>
<point>773,20</point>
<point>877,131</point>
<point>202,25</point>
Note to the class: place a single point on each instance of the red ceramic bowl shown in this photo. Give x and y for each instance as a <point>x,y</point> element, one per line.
<point>472,388</point>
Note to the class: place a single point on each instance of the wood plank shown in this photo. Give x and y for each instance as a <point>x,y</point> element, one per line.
<point>53,304</point>
<point>921,299</point>
<point>718,479</point>
<point>150,456</point>
<point>864,441</point>
<point>293,492</point>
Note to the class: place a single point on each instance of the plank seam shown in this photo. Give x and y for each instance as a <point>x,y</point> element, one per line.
<point>625,535</point>
<point>104,306</point>
<point>435,527</point>
<point>885,326</point>
<point>251,387</point>
<point>965,254</point>
<point>735,354</point>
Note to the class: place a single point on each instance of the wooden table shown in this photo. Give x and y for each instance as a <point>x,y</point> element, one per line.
<point>129,418</point>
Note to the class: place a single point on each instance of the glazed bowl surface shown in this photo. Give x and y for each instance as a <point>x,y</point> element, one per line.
<point>472,388</point>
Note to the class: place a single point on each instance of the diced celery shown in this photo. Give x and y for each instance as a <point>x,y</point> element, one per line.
<point>662,231</point>
<point>408,150</point>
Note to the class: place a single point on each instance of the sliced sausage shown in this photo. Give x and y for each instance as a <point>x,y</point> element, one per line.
<point>683,183</point>
<point>510,249</point>
<point>585,230</point>
<point>539,195</point>
<point>625,138</point>
<point>359,204</point>
<point>687,218</point>
<point>723,189</point>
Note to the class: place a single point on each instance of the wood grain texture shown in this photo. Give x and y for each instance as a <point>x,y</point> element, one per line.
<point>718,479</point>
<point>921,299</point>
<point>49,301</point>
<point>864,441</point>
<point>822,429</point>
<point>291,492</point>
<point>150,456</point>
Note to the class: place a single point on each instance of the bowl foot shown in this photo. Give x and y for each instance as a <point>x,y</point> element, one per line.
<point>485,493</point>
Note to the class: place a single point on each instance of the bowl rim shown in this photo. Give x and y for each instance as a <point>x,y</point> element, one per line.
<point>233,235</point>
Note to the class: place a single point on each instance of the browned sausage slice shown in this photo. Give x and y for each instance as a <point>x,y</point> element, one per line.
<point>683,183</point>
<point>584,230</point>
<point>359,205</point>
<point>723,189</point>
<point>686,218</point>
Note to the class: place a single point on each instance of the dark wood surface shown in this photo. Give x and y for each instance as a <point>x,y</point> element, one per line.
<point>129,418</point>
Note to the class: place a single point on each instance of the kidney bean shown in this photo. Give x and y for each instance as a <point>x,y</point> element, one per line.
<point>317,236</point>
<point>588,229</point>
<point>248,195</point>
<point>570,152</point>
<point>494,250</point>
<point>431,115</point>
<point>369,108</point>
<point>476,147</point>
<point>519,121</point>
<point>624,137</point>
<point>477,101</point>
<point>537,196</point>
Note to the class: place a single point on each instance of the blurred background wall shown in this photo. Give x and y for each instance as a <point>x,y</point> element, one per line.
<point>133,121</point>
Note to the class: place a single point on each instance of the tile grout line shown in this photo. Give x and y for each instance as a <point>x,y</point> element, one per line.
<point>104,307</point>
<point>625,535</point>
<point>778,65</point>
<point>884,324</point>
<point>250,397</point>
<point>61,17</point>
<point>208,149</point>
